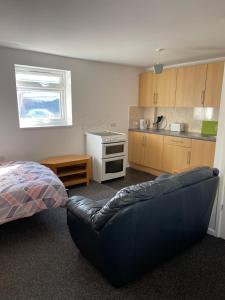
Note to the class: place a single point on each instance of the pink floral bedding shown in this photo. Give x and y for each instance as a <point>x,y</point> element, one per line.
<point>26,188</point>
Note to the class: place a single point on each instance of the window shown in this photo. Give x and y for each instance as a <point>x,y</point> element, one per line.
<point>43,96</point>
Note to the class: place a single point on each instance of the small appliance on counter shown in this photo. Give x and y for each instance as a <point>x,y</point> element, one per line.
<point>209,128</point>
<point>144,124</point>
<point>178,127</point>
<point>158,122</point>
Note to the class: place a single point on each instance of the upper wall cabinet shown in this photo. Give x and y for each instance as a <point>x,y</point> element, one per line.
<point>146,89</point>
<point>166,88</point>
<point>191,86</point>
<point>158,89</point>
<point>214,82</point>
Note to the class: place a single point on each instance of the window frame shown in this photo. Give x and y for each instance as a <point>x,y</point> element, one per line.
<point>64,88</point>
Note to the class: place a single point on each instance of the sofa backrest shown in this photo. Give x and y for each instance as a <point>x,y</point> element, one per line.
<point>147,232</point>
<point>149,190</point>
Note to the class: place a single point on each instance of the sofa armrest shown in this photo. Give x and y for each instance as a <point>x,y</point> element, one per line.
<point>83,207</point>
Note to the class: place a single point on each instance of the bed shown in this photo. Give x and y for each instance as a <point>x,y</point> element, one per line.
<point>26,188</point>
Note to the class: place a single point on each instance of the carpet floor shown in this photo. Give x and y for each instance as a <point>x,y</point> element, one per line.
<point>38,260</point>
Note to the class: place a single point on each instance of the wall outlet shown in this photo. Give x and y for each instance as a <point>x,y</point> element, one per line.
<point>113,124</point>
<point>2,158</point>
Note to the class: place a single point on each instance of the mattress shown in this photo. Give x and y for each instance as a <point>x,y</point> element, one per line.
<point>26,188</point>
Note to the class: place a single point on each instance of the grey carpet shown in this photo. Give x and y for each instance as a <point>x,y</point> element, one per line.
<point>132,177</point>
<point>38,260</point>
<point>93,191</point>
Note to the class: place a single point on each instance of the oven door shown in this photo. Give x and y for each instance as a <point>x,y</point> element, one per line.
<point>113,149</point>
<point>113,167</point>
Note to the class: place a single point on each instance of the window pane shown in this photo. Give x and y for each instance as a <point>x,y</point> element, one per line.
<point>44,96</point>
<point>38,79</point>
<point>40,105</point>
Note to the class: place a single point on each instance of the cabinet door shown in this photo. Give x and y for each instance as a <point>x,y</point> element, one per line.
<point>153,151</point>
<point>136,147</point>
<point>168,158</point>
<point>214,84</point>
<point>166,88</point>
<point>191,86</point>
<point>182,159</point>
<point>202,153</point>
<point>175,158</point>
<point>147,89</point>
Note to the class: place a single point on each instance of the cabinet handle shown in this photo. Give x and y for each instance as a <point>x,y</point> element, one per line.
<point>176,141</point>
<point>156,99</point>
<point>203,97</point>
<point>189,157</point>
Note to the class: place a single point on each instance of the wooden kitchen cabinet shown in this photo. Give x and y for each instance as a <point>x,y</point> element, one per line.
<point>158,89</point>
<point>214,84</point>
<point>181,154</point>
<point>167,153</point>
<point>145,149</point>
<point>202,153</point>
<point>191,83</point>
<point>191,86</point>
<point>166,88</point>
<point>176,154</point>
<point>153,151</point>
<point>136,147</point>
<point>147,86</point>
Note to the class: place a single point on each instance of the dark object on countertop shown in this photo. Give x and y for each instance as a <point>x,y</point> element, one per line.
<point>158,122</point>
<point>144,224</point>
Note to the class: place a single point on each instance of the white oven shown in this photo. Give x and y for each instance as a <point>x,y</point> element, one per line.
<point>108,150</point>
<point>113,149</point>
<point>113,167</point>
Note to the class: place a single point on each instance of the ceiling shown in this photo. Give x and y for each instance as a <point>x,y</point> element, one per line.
<point>117,31</point>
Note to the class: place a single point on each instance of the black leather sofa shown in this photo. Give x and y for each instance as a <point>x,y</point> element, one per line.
<point>143,225</point>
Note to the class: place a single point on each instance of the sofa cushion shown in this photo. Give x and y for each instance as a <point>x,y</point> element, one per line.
<point>147,191</point>
<point>130,195</point>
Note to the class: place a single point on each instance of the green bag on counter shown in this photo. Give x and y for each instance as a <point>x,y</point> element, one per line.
<point>209,128</point>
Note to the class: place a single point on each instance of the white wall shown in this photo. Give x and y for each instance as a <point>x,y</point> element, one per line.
<point>220,164</point>
<point>101,94</point>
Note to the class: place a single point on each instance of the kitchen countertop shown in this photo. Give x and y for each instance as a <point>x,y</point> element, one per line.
<point>184,134</point>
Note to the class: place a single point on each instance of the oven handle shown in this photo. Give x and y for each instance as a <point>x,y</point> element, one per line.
<point>114,158</point>
<point>120,142</point>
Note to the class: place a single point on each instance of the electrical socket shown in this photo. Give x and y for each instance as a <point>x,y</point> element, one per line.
<point>113,124</point>
<point>2,158</point>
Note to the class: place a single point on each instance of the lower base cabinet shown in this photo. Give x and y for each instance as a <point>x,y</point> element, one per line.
<point>153,151</point>
<point>169,154</point>
<point>175,159</point>
<point>202,153</point>
<point>136,147</point>
<point>145,149</point>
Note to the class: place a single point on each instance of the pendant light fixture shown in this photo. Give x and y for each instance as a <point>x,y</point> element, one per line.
<point>158,68</point>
